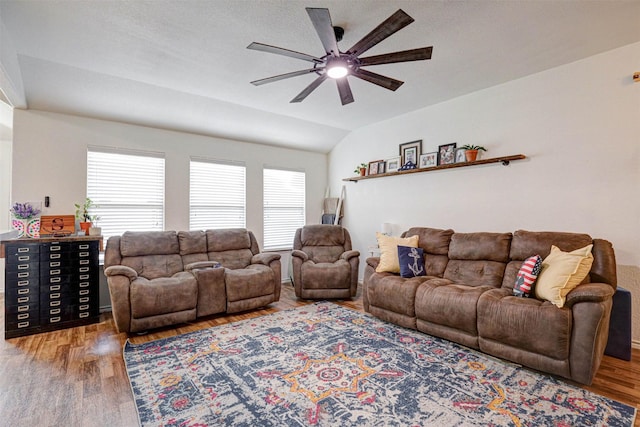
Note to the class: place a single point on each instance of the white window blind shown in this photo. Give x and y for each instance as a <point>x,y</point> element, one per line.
<point>284,207</point>
<point>128,189</point>
<point>217,195</point>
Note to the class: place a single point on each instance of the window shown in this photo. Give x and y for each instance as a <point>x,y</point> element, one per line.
<point>217,195</point>
<point>128,189</point>
<point>284,205</point>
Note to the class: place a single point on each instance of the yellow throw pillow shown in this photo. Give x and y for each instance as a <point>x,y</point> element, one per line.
<point>561,272</point>
<point>389,251</point>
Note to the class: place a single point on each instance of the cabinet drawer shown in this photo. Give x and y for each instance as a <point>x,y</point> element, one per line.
<point>86,246</point>
<point>21,252</point>
<point>62,287</point>
<point>22,296</point>
<point>55,256</point>
<point>55,247</point>
<point>22,266</point>
<point>17,325</point>
<point>47,271</point>
<point>64,311</point>
<point>22,278</point>
<point>56,280</point>
<point>54,299</point>
<point>30,307</point>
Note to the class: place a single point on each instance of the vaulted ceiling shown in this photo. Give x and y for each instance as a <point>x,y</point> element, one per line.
<point>184,65</point>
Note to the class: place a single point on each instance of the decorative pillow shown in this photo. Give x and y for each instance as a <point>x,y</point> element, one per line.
<point>389,251</point>
<point>411,261</point>
<point>527,275</point>
<point>561,272</point>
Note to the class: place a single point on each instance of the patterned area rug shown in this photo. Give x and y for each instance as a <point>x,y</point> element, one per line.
<point>326,365</point>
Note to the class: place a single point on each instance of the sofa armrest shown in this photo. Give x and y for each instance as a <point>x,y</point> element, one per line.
<point>265,258</point>
<point>121,270</point>
<point>373,262</point>
<point>349,254</point>
<point>201,265</point>
<point>589,292</point>
<point>299,254</point>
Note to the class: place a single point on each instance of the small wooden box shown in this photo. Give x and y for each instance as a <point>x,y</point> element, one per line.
<point>57,225</point>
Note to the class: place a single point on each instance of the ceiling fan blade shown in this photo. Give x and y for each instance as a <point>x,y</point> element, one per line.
<point>404,56</point>
<point>281,51</point>
<point>394,23</point>
<point>346,97</point>
<point>307,90</point>
<point>282,77</point>
<point>377,79</point>
<point>322,22</point>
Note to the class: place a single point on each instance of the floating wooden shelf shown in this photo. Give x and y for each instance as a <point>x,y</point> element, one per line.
<point>504,160</point>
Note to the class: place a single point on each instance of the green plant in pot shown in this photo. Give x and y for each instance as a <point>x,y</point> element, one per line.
<point>471,151</point>
<point>83,215</point>
<point>361,169</point>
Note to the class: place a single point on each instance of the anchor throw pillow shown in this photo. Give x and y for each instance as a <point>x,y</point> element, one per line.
<point>411,261</point>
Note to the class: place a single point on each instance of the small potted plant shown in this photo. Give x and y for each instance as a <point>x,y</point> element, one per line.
<point>94,230</point>
<point>472,151</point>
<point>361,169</point>
<point>83,215</point>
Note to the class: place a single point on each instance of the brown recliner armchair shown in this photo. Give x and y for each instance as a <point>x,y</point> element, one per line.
<point>323,263</point>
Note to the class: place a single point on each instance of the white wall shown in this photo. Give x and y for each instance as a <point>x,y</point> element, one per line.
<point>50,152</point>
<point>579,126</point>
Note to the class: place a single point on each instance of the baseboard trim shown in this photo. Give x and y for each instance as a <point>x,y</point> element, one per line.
<point>635,344</point>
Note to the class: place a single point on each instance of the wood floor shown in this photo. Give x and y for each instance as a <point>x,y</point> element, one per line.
<point>76,377</point>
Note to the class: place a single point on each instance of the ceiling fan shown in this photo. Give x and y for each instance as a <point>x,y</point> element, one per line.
<point>338,65</point>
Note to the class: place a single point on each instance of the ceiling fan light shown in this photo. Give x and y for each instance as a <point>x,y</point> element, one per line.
<point>337,71</point>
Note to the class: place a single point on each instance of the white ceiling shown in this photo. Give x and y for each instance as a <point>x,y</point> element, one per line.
<point>184,65</point>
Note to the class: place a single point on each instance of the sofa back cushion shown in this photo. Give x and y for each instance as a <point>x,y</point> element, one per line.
<point>322,242</point>
<point>152,254</point>
<point>478,259</point>
<point>193,246</point>
<point>435,244</point>
<point>231,247</point>
<point>528,243</point>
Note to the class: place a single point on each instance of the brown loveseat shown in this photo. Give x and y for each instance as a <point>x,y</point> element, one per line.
<point>163,278</point>
<point>467,297</point>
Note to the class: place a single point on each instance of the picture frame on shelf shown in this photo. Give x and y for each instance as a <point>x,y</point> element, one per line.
<point>410,151</point>
<point>428,160</point>
<point>382,166</point>
<point>374,167</point>
<point>461,157</point>
<point>447,154</point>
<point>393,164</point>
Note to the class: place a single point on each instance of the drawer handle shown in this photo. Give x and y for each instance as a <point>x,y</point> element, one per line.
<point>54,248</point>
<point>55,280</point>
<point>84,307</point>
<point>23,308</point>
<point>54,288</point>
<point>54,303</point>
<point>23,324</point>
<point>24,258</point>
<point>54,256</point>
<point>54,264</point>
<point>84,269</point>
<point>23,266</point>
<point>84,284</point>
<point>23,283</point>
<point>84,299</point>
<point>54,319</point>
<point>83,246</point>
<point>26,299</point>
<point>84,276</point>
<point>55,296</point>
<point>23,291</point>
<point>84,292</point>
<point>23,274</point>
<point>83,315</point>
<point>23,250</point>
<point>54,311</point>
<point>53,272</point>
<point>23,316</point>
<point>84,261</point>
<point>84,254</point>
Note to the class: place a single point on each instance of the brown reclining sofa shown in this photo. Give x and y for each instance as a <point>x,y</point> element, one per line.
<point>467,297</point>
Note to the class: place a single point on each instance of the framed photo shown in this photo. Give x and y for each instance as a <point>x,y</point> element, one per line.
<point>374,167</point>
<point>460,155</point>
<point>447,154</point>
<point>382,166</point>
<point>428,160</point>
<point>393,164</point>
<point>410,151</point>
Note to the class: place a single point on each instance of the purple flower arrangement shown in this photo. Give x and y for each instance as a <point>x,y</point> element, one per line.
<point>24,210</point>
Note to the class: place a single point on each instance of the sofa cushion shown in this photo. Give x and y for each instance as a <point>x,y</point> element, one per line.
<point>411,261</point>
<point>527,243</point>
<point>192,242</point>
<point>133,243</point>
<point>326,275</point>
<point>527,275</point>
<point>322,235</point>
<point>163,295</point>
<point>393,293</point>
<point>233,259</point>
<point>561,272</point>
<point>255,281</point>
<point>478,259</point>
<point>230,239</point>
<point>435,244</point>
<point>155,266</point>
<point>527,324</point>
<point>389,251</point>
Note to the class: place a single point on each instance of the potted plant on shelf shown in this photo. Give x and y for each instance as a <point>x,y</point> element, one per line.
<point>83,215</point>
<point>472,151</point>
<point>94,230</point>
<point>361,169</point>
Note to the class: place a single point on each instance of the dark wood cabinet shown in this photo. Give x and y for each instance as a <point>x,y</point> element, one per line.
<point>50,284</point>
